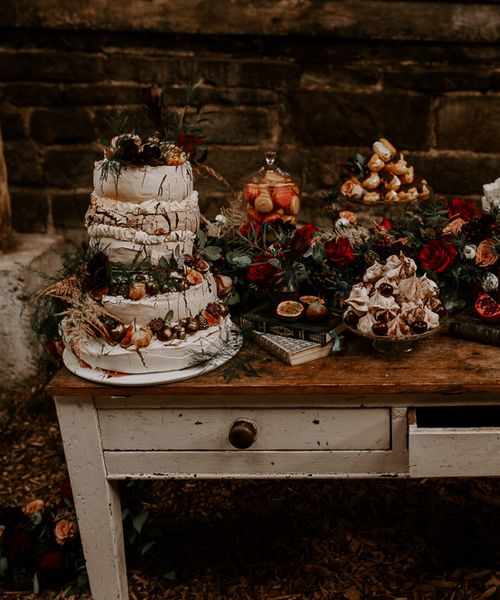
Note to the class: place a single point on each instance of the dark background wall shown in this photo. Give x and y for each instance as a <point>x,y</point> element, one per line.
<point>316,79</point>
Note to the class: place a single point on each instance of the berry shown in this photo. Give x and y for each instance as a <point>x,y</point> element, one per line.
<point>192,325</point>
<point>440,310</point>
<point>351,318</point>
<point>156,325</point>
<point>386,289</point>
<point>419,327</point>
<point>151,288</point>
<point>379,328</point>
<point>165,334</point>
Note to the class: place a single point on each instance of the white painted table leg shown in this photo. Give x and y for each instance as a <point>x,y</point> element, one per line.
<point>97,501</point>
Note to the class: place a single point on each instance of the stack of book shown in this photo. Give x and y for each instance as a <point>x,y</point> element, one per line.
<point>296,342</point>
<point>469,326</point>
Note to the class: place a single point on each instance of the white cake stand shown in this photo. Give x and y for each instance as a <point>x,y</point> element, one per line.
<point>231,348</point>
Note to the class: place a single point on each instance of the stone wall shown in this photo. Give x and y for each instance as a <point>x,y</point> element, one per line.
<point>316,79</point>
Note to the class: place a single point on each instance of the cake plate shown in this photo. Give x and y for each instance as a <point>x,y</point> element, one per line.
<point>231,348</point>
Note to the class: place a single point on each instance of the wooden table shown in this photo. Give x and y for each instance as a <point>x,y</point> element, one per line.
<point>433,412</point>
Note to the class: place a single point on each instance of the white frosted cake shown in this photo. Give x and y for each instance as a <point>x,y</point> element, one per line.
<point>156,299</point>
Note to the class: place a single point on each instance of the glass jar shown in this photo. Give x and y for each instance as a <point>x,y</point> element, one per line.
<point>271,194</point>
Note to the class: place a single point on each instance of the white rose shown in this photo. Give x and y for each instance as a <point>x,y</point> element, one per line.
<point>470,251</point>
<point>342,223</point>
<point>490,282</point>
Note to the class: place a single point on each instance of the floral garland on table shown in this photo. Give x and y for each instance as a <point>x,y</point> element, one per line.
<point>454,242</point>
<point>40,546</point>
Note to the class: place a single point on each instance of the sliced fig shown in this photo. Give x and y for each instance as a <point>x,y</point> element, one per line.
<point>194,277</point>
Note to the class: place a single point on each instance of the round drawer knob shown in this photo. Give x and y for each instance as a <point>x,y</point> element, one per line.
<point>242,434</point>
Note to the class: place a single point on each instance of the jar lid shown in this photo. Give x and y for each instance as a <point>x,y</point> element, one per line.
<point>270,173</point>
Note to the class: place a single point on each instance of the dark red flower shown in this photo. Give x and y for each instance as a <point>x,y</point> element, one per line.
<point>249,227</point>
<point>461,208</point>
<point>188,142</point>
<point>51,562</point>
<point>18,545</point>
<point>386,224</point>
<point>66,491</point>
<point>437,255</point>
<point>307,231</point>
<point>339,252</point>
<point>261,270</point>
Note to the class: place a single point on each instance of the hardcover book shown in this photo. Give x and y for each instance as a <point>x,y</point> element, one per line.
<point>293,351</point>
<point>264,319</point>
<point>468,326</point>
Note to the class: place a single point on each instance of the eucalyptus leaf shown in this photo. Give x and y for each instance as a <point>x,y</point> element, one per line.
<point>147,547</point>
<point>212,252</point>
<point>139,521</point>
<point>125,513</point>
<point>233,298</point>
<point>4,565</point>
<point>170,575</point>
<point>169,315</point>
<point>238,259</point>
<point>202,238</point>
<point>36,584</point>
<point>274,262</point>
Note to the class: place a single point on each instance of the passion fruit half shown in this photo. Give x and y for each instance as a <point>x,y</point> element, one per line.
<point>306,300</point>
<point>289,310</point>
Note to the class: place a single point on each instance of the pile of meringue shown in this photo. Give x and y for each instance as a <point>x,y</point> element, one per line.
<point>387,177</point>
<point>392,301</point>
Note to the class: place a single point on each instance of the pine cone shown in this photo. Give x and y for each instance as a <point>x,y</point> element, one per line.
<point>202,322</point>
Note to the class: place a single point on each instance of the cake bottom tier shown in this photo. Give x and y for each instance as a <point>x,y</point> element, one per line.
<point>158,356</point>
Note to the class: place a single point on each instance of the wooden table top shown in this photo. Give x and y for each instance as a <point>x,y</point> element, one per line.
<point>440,364</point>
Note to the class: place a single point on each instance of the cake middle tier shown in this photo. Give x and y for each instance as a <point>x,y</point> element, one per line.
<point>180,305</point>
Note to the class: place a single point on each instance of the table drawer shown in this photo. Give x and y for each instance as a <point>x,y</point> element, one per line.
<point>276,428</point>
<point>454,441</point>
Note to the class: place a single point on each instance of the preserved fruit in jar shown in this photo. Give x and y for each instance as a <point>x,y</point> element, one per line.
<point>271,194</point>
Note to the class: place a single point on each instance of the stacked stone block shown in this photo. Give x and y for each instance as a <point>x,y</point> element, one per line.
<point>316,88</point>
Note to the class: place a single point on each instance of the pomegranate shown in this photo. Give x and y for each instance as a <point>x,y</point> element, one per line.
<point>487,308</point>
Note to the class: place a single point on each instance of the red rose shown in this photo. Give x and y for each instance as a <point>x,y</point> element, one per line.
<point>307,231</point>
<point>188,142</point>
<point>66,491</point>
<point>49,563</point>
<point>18,545</point>
<point>260,271</point>
<point>437,255</point>
<point>339,252</point>
<point>386,224</point>
<point>462,209</point>
<point>250,227</point>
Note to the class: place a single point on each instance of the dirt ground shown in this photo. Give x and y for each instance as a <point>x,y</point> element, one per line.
<point>270,540</point>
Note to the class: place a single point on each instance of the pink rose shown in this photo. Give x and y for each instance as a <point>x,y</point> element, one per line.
<point>33,507</point>
<point>65,530</point>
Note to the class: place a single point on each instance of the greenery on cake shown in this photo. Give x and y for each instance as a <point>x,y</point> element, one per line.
<point>160,136</point>
<point>75,294</point>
